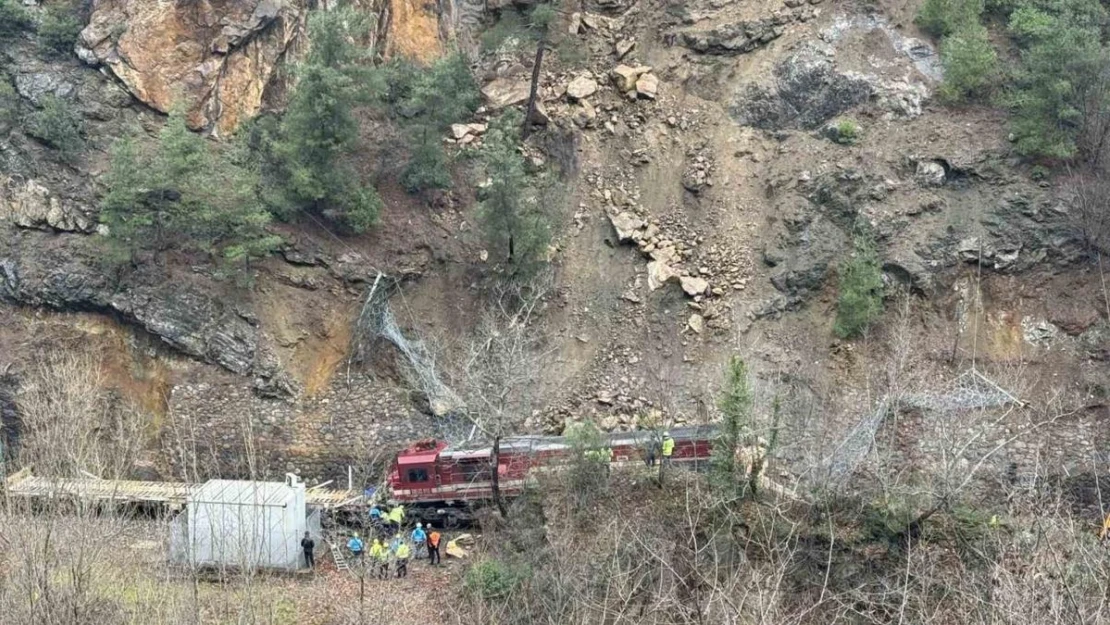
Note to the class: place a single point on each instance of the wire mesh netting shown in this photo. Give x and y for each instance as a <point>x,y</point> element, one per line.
<point>970,390</point>
<point>377,321</point>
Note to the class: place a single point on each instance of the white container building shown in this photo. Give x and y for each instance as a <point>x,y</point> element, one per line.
<point>243,524</point>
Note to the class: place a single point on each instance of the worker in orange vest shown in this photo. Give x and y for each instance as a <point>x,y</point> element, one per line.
<point>433,548</point>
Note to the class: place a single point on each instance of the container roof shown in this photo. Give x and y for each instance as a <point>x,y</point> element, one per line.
<point>239,492</point>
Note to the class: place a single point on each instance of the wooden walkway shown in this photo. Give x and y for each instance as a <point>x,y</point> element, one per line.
<point>25,485</point>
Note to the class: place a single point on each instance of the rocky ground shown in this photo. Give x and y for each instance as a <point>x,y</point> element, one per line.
<point>708,201</point>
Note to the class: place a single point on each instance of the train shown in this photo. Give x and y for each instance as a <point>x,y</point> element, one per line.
<point>445,484</point>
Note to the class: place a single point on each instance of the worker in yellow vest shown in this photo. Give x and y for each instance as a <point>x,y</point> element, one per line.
<point>668,447</point>
<point>379,553</point>
<point>396,516</point>
<point>402,554</point>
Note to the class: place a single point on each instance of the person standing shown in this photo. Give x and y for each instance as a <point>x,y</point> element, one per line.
<point>308,545</point>
<point>668,447</point>
<point>433,548</point>
<point>419,537</point>
<point>402,554</point>
<point>355,546</point>
<point>379,553</point>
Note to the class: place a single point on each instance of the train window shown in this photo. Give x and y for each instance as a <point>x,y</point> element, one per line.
<point>474,470</point>
<point>418,475</point>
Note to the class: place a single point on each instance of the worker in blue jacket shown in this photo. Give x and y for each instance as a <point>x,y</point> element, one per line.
<point>355,546</point>
<point>419,538</point>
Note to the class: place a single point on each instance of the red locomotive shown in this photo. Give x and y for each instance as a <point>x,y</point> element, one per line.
<point>441,483</point>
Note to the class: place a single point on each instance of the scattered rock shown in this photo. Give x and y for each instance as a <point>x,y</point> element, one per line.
<point>693,286</point>
<point>502,92</point>
<point>29,204</point>
<point>659,273</point>
<point>647,86</point>
<point>581,88</point>
<point>734,38</point>
<point>696,323</point>
<point>627,226</point>
<point>575,24</point>
<point>625,77</point>
<point>623,47</point>
<point>930,173</point>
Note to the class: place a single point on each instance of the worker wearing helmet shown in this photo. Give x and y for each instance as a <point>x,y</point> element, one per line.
<point>402,553</point>
<point>668,447</point>
<point>355,546</point>
<point>419,537</point>
<point>379,553</point>
<point>396,517</point>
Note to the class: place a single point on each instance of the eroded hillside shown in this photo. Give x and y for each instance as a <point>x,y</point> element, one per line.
<point>717,159</point>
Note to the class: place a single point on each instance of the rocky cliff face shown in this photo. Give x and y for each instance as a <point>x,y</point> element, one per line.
<point>709,205</point>
<point>215,58</point>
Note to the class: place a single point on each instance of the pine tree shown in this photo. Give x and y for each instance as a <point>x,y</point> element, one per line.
<point>304,169</point>
<point>184,194</point>
<point>511,217</point>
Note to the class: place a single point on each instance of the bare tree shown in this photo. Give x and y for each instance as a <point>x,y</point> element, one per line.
<point>502,367</point>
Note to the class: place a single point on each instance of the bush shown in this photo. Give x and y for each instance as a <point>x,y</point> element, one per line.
<point>726,474</point>
<point>970,64</point>
<point>944,17</point>
<point>56,125</point>
<point>589,465</point>
<point>844,132</point>
<point>59,29</point>
<point>860,298</point>
<point>494,579</point>
<point>13,19</point>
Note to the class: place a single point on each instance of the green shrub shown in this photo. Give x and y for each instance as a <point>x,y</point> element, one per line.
<point>13,19</point>
<point>59,28</point>
<point>56,125</point>
<point>725,473</point>
<point>844,132</point>
<point>493,579</point>
<point>944,17</point>
<point>860,297</point>
<point>970,64</point>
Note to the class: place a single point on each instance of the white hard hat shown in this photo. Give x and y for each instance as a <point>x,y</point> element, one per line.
<point>419,524</point>
<point>666,433</point>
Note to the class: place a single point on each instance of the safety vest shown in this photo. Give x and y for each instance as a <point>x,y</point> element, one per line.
<point>668,447</point>
<point>379,551</point>
<point>433,539</point>
<point>403,551</point>
<point>397,515</point>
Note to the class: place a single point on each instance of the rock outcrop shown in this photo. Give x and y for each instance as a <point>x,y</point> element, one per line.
<point>38,269</point>
<point>216,58</point>
<point>29,204</point>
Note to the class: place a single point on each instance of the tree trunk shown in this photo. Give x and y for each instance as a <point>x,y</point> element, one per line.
<point>495,478</point>
<point>532,96</point>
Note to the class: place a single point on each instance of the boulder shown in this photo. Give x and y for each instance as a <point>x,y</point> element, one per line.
<point>625,77</point>
<point>693,286</point>
<point>659,273</point>
<point>458,131</point>
<point>733,38</point>
<point>647,86</point>
<point>581,88</point>
<point>930,173</point>
<point>627,225</point>
<point>585,115</point>
<point>217,59</point>
<point>503,92</point>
